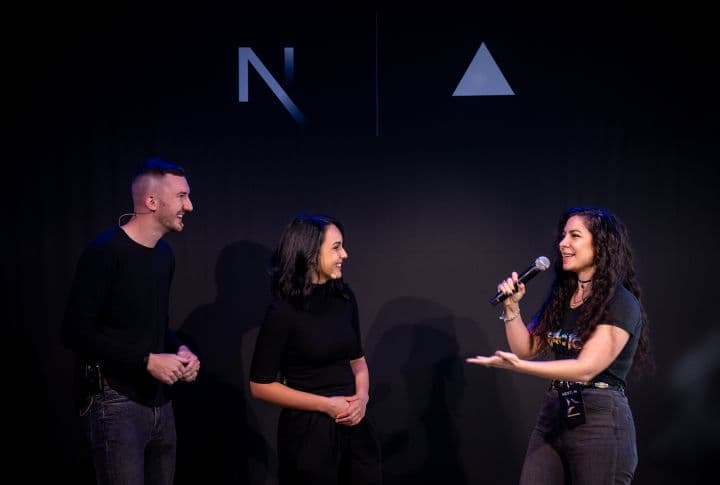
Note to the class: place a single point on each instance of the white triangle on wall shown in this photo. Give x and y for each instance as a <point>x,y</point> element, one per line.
<point>483,77</point>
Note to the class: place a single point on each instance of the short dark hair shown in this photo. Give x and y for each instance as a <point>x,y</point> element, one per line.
<point>157,166</point>
<point>297,256</point>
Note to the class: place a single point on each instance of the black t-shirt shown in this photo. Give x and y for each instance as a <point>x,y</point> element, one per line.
<point>310,349</point>
<point>118,312</point>
<point>623,311</point>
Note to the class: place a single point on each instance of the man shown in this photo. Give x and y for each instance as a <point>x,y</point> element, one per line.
<point>117,323</point>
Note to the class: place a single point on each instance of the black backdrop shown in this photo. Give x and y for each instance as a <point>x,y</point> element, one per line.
<point>441,197</point>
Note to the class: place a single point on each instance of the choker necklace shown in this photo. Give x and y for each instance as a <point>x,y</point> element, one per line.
<point>579,296</point>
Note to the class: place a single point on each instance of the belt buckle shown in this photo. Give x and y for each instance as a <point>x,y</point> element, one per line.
<point>601,385</point>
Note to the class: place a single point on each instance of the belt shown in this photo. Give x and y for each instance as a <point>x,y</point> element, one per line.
<point>564,385</point>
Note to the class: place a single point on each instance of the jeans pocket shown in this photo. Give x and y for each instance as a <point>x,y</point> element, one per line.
<point>600,400</point>
<point>548,418</point>
<point>110,396</point>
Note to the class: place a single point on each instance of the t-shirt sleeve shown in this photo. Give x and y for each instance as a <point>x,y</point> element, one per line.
<point>624,312</point>
<point>270,346</point>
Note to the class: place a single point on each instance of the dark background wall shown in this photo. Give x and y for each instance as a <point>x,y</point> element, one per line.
<point>441,196</point>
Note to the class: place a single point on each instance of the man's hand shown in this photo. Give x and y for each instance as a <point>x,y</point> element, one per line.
<point>192,367</point>
<point>167,368</point>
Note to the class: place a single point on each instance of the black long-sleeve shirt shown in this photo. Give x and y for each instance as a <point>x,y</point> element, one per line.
<point>117,312</point>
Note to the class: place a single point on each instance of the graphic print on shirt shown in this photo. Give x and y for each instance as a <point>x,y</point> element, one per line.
<point>561,341</point>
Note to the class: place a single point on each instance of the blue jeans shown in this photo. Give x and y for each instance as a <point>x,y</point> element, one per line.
<point>601,450</point>
<point>130,443</point>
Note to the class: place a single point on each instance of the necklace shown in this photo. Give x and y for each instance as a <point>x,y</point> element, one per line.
<point>584,282</point>
<point>579,296</point>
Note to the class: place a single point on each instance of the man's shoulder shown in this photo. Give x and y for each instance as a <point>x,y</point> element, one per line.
<point>101,252</point>
<point>105,238</point>
<point>103,242</point>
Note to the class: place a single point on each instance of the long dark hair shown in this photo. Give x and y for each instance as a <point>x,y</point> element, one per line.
<point>296,257</point>
<point>614,267</point>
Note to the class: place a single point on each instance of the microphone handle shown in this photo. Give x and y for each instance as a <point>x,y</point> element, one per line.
<point>526,276</point>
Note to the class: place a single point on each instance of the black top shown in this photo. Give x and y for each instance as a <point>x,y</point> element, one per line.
<point>310,349</point>
<point>118,312</point>
<point>623,311</point>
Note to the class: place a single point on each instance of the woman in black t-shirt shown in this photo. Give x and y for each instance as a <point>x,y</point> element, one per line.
<point>594,323</point>
<point>309,359</point>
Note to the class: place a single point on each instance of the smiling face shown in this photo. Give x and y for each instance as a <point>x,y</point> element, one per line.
<point>173,201</point>
<point>331,257</point>
<point>576,248</point>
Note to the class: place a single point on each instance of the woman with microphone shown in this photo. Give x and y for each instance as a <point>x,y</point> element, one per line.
<point>594,325</point>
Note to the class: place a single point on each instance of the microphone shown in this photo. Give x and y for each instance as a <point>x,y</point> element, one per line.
<point>131,214</point>
<point>541,264</point>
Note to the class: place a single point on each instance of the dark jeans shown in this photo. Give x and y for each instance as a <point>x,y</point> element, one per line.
<point>130,443</point>
<point>602,450</point>
<point>314,450</point>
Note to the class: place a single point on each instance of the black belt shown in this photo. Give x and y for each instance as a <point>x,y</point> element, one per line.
<point>564,385</point>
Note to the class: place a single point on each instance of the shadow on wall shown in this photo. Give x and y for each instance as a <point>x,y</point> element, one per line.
<point>685,447</point>
<point>418,393</point>
<point>219,436</point>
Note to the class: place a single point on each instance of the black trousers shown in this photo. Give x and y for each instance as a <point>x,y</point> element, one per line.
<point>313,449</point>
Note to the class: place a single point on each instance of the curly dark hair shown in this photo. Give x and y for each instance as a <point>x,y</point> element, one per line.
<point>297,255</point>
<point>614,267</point>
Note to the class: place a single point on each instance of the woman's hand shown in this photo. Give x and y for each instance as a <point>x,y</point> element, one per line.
<point>501,360</point>
<point>336,405</point>
<point>513,289</point>
<point>355,411</point>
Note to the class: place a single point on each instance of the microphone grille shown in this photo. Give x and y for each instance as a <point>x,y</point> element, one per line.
<point>542,263</point>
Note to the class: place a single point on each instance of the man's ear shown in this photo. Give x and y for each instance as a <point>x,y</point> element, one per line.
<point>151,202</point>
